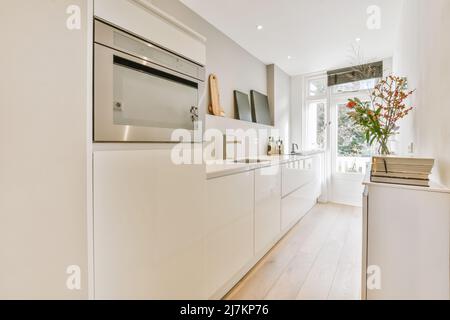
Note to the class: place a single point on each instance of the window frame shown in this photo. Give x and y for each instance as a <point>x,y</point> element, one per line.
<point>312,77</point>
<point>307,100</point>
<point>308,139</point>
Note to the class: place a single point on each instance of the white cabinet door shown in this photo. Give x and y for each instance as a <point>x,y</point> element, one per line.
<point>407,244</point>
<point>148,226</point>
<point>229,225</point>
<point>315,183</point>
<point>302,185</point>
<point>164,31</point>
<point>267,207</point>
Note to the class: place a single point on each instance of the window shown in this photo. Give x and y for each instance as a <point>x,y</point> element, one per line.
<point>355,86</point>
<point>353,153</point>
<point>316,115</point>
<point>315,112</point>
<point>351,139</point>
<point>317,87</point>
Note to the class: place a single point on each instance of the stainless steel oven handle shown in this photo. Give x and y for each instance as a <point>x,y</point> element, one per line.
<point>126,56</point>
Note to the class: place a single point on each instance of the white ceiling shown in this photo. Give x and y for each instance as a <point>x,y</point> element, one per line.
<point>318,34</point>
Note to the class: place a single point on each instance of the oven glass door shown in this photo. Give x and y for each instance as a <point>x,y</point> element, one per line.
<point>137,101</point>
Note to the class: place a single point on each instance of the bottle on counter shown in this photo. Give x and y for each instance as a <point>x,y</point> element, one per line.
<point>270,146</point>
<point>279,145</point>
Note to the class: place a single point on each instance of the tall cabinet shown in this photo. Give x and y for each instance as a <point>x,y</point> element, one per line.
<point>148,212</point>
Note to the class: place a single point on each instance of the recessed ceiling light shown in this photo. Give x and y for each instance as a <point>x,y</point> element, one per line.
<point>289,57</point>
<point>259,27</point>
<point>358,39</point>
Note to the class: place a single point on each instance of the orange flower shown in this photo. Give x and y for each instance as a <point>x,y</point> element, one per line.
<point>351,104</point>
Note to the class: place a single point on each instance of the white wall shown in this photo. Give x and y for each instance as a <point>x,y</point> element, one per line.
<point>296,110</point>
<point>43,157</point>
<point>406,63</point>
<point>263,133</point>
<point>423,56</point>
<point>279,92</point>
<point>235,68</point>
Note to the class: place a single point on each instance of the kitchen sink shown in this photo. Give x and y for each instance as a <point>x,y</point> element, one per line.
<point>250,161</point>
<point>306,153</point>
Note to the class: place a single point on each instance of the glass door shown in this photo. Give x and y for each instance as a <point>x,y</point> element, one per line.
<point>349,152</point>
<point>326,126</point>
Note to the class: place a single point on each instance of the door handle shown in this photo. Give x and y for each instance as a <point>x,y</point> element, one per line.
<point>194,113</point>
<point>118,106</point>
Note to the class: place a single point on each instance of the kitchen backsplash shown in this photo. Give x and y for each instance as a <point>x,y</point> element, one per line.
<point>254,146</point>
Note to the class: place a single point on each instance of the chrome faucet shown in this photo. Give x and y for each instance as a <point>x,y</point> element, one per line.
<point>294,148</point>
<point>226,142</point>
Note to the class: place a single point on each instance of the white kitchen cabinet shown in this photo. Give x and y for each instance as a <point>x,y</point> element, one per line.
<point>296,205</point>
<point>148,226</point>
<point>144,19</point>
<point>406,242</point>
<point>267,207</point>
<point>301,185</point>
<point>230,230</point>
<point>299,173</point>
<point>290,178</point>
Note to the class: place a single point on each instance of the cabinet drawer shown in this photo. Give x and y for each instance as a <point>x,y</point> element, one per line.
<point>297,174</point>
<point>297,204</point>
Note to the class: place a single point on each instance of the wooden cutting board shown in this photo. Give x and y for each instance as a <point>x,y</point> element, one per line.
<point>215,107</point>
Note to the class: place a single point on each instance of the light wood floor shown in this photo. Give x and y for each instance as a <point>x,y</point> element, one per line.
<point>319,259</point>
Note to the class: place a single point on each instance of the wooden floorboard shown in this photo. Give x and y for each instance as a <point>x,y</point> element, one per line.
<point>318,259</point>
<point>346,284</point>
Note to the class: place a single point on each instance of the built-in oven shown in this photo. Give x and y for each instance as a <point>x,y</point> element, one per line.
<point>142,92</point>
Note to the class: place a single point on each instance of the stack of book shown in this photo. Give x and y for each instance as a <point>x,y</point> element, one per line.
<point>402,170</point>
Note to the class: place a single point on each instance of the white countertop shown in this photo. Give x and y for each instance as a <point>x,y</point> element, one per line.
<point>434,186</point>
<point>217,169</point>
